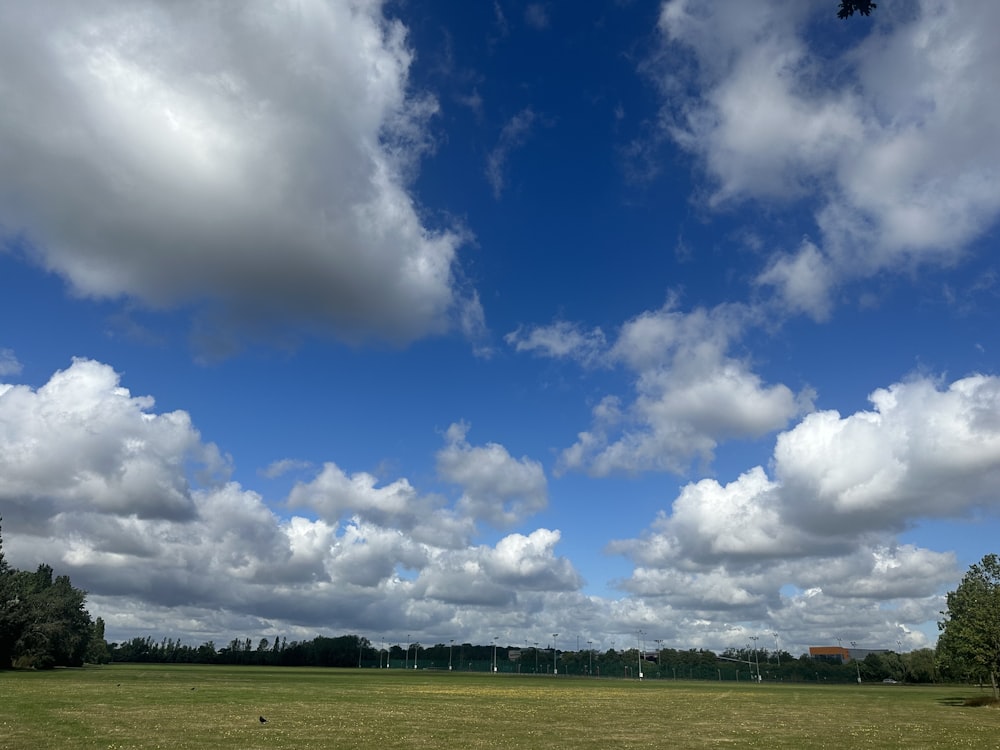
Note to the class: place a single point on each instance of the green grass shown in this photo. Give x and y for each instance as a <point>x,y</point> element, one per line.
<point>146,706</point>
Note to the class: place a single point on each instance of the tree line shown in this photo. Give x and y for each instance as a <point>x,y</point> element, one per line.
<point>664,664</point>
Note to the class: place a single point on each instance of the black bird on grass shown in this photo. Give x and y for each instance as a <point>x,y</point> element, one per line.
<point>263,720</point>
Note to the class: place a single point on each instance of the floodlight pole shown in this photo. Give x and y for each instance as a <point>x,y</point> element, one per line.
<point>777,651</point>
<point>854,645</point>
<point>406,654</point>
<point>555,667</point>
<point>590,647</point>
<point>639,656</point>
<point>451,647</point>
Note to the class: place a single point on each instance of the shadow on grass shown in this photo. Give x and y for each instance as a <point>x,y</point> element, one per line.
<point>975,702</point>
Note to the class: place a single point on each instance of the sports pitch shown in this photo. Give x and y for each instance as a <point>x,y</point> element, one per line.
<point>155,706</point>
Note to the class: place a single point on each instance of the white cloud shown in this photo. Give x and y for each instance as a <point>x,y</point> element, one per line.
<point>94,482</point>
<point>892,139</point>
<point>512,137</point>
<point>496,487</point>
<point>503,574</point>
<point>802,280</point>
<point>283,466</point>
<point>398,505</point>
<point>923,452</point>
<point>83,442</point>
<point>255,158</point>
<point>561,339</point>
<point>824,525</point>
<point>690,394</point>
<point>9,364</point>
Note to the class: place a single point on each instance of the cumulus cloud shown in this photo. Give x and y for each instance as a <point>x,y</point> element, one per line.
<point>255,159</point>
<point>496,487</point>
<point>337,496</point>
<point>892,139</point>
<point>81,441</point>
<point>136,508</point>
<point>923,451</point>
<point>803,281</point>
<point>820,532</point>
<point>691,392</point>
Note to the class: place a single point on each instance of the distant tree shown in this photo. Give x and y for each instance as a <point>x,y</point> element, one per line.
<point>97,649</point>
<point>970,632</point>
<point>848,8</point>
<point>920,665</point>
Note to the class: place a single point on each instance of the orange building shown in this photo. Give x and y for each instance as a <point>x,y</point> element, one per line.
<point>830,653</point>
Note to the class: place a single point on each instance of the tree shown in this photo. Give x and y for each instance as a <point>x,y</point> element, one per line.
<point>8,611</point>
<point>97,649</point>
<point>43,622</point>
<point>848,7</point>
<point>970,632</point>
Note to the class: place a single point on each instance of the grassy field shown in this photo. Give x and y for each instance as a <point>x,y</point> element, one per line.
<point>146,706</point>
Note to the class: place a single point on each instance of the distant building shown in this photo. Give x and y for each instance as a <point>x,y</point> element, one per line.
<point>842,655</point>
<point>514,654</point>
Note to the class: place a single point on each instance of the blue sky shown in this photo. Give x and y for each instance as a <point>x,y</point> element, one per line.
<point>501,318</point>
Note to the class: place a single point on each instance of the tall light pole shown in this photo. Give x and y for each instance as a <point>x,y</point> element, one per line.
<point>555,667</point>
<point>495,653</point>
<point>451,647</point>
<point>406,656</point>
<point>639,655</point>
<point>754,638</point>
<point>854,645</point>
<point>536,657</point>
<point>777,651</point>
<point>590,647</point>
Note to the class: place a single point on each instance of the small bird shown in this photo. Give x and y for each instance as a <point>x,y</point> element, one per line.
<point>263,720</point>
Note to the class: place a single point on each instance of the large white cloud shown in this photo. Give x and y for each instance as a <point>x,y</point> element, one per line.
<point>922,452</point>
<point>135,507</point>
<point>891,138</point>
<point>256,157</point>
<point>83,441</point>
<point>825,524</point>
